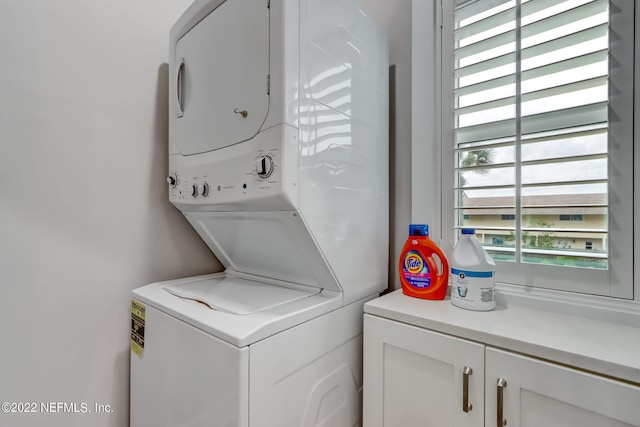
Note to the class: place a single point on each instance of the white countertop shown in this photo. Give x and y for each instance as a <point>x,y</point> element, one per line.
<point>597,346</point>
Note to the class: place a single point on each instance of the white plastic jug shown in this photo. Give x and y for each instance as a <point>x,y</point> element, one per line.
<point>472,274</point>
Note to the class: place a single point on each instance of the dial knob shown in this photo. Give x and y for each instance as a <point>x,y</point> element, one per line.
<point>204,190</point>
<point>264,166</point>
<point>172,180</point>
<point>194,190</point>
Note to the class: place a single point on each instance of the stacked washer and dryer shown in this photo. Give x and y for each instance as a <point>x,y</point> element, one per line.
<point>278,157</point>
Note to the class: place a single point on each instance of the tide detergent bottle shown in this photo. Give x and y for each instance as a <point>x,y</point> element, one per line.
<point>419,273</point>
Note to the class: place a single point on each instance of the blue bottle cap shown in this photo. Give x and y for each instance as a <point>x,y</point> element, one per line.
<point>418,230</point>
<point>468,231</point>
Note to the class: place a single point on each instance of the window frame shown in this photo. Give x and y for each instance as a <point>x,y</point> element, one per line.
<point>428,161</point>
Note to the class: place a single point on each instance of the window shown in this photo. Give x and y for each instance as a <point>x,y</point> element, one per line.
<point>572,217</point>
<point>537,123</point>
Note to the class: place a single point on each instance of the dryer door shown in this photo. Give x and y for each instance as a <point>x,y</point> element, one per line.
<point>220,87</point>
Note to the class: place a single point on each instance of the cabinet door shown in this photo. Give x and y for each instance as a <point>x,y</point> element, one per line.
<point>221,72</point>
<point>543,394</point>
<point>414,377</point>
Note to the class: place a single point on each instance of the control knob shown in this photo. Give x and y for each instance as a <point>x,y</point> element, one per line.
<point>204,190</point>
<point>264,166</point>
<point>172,180</point>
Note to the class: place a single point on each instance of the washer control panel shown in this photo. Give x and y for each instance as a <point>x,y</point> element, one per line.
<point>260,173</point>
<point>228,181</point>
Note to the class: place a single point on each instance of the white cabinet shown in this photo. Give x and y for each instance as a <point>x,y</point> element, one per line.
<point>538,393</point>
<point>414,376</point>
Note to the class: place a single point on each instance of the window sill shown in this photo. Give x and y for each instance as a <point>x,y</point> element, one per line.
<point>605,309</point>
<point>600,345</point>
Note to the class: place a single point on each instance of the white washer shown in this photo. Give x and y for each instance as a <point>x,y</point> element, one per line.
<point>278,158</point>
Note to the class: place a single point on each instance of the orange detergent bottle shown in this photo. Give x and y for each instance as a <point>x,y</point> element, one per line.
<point>419,273</point>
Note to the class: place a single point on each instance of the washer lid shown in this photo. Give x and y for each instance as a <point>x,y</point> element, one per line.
<point>238,296</point>
<point>237,329</point>
<point>274,245</point>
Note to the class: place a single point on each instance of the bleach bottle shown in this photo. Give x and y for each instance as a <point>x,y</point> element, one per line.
<point>419,273</point>
<point>472,274</point>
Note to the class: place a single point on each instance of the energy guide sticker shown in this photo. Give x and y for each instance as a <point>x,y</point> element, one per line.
<point>137,327</point>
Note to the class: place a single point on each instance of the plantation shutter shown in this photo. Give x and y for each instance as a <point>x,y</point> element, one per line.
<point>538,124</point>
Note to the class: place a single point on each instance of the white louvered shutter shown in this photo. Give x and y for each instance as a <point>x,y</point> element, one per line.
<point>541,126</point>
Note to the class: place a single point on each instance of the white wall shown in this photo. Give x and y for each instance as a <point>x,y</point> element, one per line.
<point>395,17</point>
<point>84,216</point>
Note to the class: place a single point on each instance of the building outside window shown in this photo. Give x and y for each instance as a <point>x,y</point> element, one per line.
<point>571,217</point>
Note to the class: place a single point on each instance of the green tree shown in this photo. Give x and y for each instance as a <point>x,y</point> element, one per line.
<point>475,159</point>
<point>541,240</point>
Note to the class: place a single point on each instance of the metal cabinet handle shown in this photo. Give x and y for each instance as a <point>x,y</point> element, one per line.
<point>502,384</point>
<point>466,406</point>
<point>179,88</point>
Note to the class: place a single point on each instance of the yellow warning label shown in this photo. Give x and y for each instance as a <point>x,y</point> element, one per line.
<point>137,327</point>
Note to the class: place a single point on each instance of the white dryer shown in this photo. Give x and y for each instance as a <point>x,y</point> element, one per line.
<point>278,157</point>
